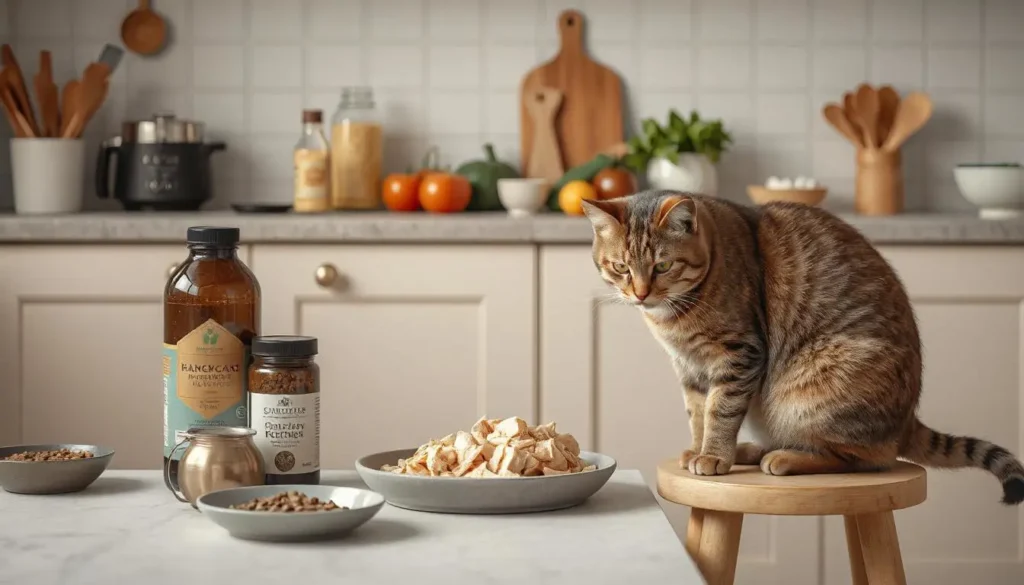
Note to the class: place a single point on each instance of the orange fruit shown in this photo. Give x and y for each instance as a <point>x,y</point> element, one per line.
<point>572,194</point>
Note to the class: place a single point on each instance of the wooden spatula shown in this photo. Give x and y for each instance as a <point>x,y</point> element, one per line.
<point>837,118</point>
<point>546,159</point>
<point>913,112</point>
<point>888,103</point>
<point>867,109</point>
<point>90,95</point>
<point>16,81</point>
<point>68,99</point>
<point>10,106</point>
<point>46,95</point>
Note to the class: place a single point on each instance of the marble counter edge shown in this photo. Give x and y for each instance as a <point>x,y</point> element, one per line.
<point>476,228</point>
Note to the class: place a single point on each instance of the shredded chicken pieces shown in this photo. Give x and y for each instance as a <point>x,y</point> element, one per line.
<point>497,448</point>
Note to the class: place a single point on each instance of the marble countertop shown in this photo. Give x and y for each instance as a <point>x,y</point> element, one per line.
<point>466,228</point>
<point>127,528</point>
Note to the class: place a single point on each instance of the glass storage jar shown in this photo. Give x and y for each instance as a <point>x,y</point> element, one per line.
<point>356,151</point>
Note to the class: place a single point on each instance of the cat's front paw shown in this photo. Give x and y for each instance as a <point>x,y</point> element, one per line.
<point>686,458</point>
<point>709,465</point>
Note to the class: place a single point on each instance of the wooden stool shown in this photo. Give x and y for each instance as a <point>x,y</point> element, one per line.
<point>865,500</point>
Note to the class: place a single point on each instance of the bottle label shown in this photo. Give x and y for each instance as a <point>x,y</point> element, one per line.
<point>287,431</point>
<point>205,382</point>
<point>311,174</point>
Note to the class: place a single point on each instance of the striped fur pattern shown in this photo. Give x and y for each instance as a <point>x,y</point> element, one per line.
<point>786,319</point>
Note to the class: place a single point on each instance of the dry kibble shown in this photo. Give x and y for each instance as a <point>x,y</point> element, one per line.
<point>59,455</point>
<point>497,448</point>
<point>293,501</point>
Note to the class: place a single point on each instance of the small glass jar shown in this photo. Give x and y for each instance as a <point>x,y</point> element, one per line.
<point>357,151</point>
<point>284,395</point>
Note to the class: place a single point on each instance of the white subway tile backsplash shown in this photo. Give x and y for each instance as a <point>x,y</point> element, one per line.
<point>836,21</point>
<point>274,20</point>
<point>723,20</point>
<point>954,68</point>
<point>447,72</point>
<point>218,66</point>
<point>665,23</point>
<point>782,68</point>
<point>454,67</point>
<point>783,20</point>
<point>453,21</point>
<point>897,20</point>
<point>276,67</point>
<point>723,67</point>
<point>215,20</point>
<point>335,22</point>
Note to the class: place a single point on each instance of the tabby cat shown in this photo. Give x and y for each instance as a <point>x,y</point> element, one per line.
<point>787,318</point>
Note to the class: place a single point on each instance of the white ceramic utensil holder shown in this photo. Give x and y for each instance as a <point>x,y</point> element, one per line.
<point>49,175</point>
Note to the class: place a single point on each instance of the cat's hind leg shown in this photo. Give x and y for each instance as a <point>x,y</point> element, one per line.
<point>829,459</point>
<point>750,453</point>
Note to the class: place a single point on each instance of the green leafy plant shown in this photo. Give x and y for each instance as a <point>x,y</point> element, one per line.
<point>680,135</point>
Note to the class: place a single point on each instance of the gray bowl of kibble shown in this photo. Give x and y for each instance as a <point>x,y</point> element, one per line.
<point>287,513</point>
<point>51,469</point>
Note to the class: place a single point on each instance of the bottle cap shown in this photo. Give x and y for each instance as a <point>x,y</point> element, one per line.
<point>212,236</point>
<point>284,346</point>
<point>312,116</point>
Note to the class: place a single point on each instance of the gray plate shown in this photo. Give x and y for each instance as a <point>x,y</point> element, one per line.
<point>290,526</point>
<point>52,477</point>
<point>471,495</point>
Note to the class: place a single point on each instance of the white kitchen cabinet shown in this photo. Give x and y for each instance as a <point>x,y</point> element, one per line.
<point>80,335</point>
<point>604,377</point>
<point>415,341</point>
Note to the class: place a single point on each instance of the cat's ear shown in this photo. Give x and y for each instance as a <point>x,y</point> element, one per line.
<point>605,214</point>
<point>677,213</point>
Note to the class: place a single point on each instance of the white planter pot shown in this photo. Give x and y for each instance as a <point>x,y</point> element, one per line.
<point>694,174</point>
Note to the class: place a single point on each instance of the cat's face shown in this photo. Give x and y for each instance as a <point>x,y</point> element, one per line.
<point>648,248</point>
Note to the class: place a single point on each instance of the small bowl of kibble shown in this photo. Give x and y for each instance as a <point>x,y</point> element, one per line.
<point>51,469</point>
<point>290,513</point>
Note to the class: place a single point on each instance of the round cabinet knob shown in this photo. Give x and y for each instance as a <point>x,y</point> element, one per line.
<point>171,269</point>
<point>326,275</point>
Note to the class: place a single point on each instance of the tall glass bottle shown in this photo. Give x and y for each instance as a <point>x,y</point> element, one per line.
<point>356,151</point>
<point>211,314</point>
<point>312,156</point>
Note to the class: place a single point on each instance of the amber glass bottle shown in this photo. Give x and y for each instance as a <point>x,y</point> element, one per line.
<point>211,314</point>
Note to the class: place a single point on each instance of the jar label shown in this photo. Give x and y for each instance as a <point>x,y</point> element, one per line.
<point>287,431</point>
<point>204,382</point>
<point>311,174</point>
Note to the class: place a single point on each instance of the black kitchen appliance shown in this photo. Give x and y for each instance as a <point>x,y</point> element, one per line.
<point>160,164</point>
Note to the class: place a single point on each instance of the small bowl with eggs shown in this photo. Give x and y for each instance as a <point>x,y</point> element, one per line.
<point>799,190</point>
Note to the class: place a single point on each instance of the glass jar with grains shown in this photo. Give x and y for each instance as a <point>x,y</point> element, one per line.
<point>356,151</point>
<point>211,314</point>
<point>284,386</point>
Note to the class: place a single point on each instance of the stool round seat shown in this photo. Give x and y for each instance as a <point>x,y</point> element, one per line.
<point>748,490</point>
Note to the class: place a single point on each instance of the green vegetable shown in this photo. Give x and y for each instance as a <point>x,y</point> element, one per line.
<point>707,137</point>
<point>584,172</point>
<point>483,175</point>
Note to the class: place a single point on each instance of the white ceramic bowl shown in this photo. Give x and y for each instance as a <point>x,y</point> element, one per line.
<point>997,189</point>
<point>522,197</point>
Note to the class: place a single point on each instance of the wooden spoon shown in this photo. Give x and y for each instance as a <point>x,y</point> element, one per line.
<point>16,82</point>
<point>913,112</point>
<point>837,118</point>
<point>850,109</point>
<point>19,124</point>
<point>546,159</point>
<point>46,95</point>
<point>867,109</point>
<point>888,102</point>
<point>143,31</point>
<point>90,95</point>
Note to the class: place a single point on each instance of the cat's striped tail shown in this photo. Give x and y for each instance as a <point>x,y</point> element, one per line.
<point>934,449</point>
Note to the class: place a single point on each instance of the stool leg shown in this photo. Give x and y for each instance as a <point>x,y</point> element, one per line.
<point>856,554</point>
<point>693,530</point>
<point>719,546</point>
<point>883,563</point>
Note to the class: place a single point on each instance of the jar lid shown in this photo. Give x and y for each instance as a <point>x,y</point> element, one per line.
<point>213,236</point>
<point>220,431</point>
<point>284,346</point>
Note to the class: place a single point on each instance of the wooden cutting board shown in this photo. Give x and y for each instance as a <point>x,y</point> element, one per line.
<point>590,120</point>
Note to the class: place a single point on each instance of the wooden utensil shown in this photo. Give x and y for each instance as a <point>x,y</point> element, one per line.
<point>143,30</point>
<point>68,99</point>
<point>837,118</point>
<point>16,82</point>
<point>19,124</point>
<point>90,95</point>
<point>888,103</point>
<point>913,112</point>
<point>867,110</point>
<point>591,116</point>
<point>545,162</point>
<point>46,95</point>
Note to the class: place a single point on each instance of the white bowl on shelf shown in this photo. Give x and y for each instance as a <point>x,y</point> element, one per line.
<point>522,197</point>
<point>997,189</point>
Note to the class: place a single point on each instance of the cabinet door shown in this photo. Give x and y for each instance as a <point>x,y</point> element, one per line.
<point>80,336</point>
<point>969,304</point>
<point>605,379</point>
<point>415,342</point>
